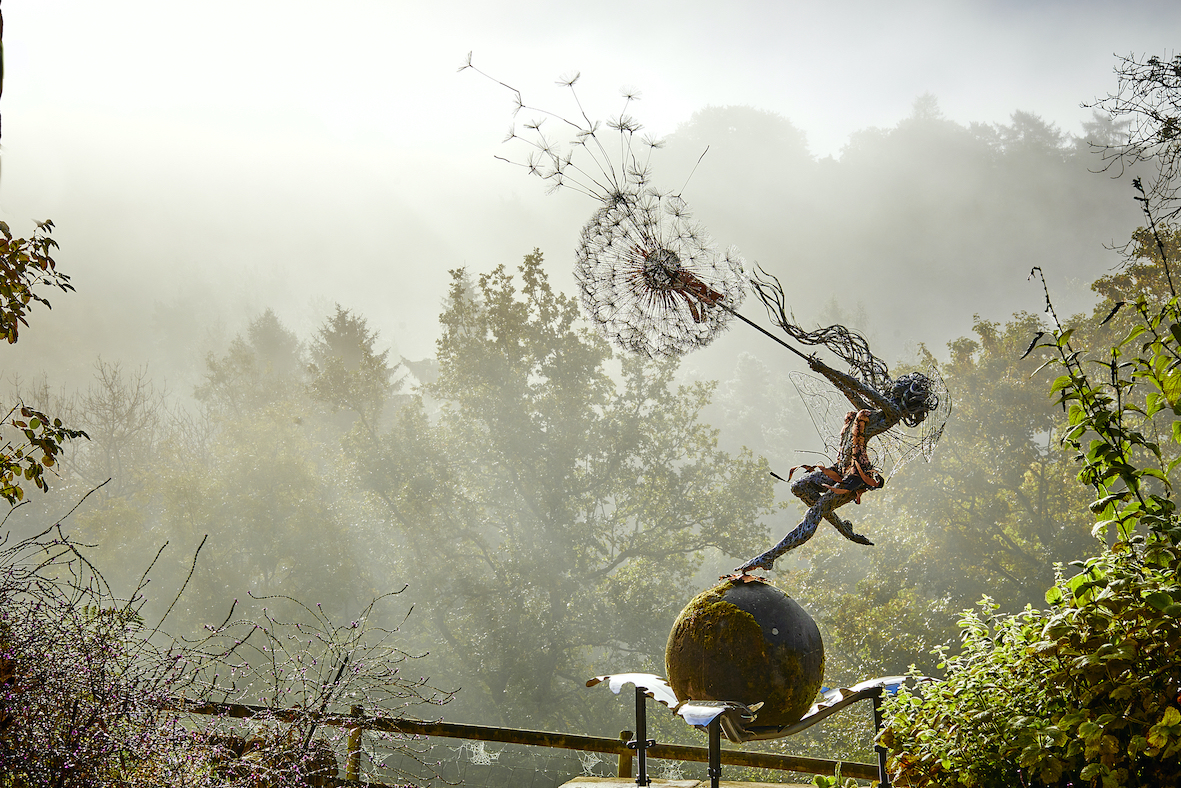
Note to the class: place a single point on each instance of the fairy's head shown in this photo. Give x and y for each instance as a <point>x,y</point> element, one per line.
<point>915,397</point>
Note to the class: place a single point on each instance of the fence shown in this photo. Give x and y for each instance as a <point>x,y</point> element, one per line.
<point>357,722</point>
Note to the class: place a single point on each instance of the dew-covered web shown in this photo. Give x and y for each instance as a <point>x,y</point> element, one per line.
<point>473,764</point>
<point>476,764</point>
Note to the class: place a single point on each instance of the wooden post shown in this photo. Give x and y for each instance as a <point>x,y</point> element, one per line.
<point>625,757</point>
<point>352,769</point>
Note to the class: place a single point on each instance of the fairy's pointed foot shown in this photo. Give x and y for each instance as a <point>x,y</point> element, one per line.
<point>763,562</point>
<point>846,530</point>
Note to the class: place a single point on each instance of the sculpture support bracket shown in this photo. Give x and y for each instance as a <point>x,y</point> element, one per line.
<point>715,751</point>
<point>641,742</point>
<point>733,718</point>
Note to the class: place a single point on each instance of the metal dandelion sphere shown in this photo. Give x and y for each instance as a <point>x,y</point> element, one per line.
<point>651,279</point>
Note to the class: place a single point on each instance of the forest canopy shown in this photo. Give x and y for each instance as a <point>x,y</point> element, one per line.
<point>551,505</point>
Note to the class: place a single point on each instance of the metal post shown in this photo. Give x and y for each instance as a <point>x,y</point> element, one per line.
<point>641,743</point>
<point>883,775</point>
<point>352,769</point>
<point>625,758</point>
<point>715,751</point>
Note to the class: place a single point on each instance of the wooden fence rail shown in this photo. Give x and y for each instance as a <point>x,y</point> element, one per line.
<point>567,741</point>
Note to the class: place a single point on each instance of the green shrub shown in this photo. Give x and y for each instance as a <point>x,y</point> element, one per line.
<point>1087,691</point>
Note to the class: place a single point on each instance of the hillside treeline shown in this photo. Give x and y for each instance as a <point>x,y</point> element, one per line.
<point>920,226</point>
<point>552,505</point>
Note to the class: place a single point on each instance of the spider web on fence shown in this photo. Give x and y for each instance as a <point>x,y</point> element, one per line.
<point>474,764</point>
<point>485,765</point>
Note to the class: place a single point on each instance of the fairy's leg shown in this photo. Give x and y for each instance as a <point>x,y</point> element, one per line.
<point>802,533</point>
<point>810,487</point>
<point>846,528</point>
<point>811,490</point>
<point>817,491</point>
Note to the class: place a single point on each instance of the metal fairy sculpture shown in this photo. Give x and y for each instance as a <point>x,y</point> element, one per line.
<point>653,282</point>
<point>906,415</point>
<point>650,278</point>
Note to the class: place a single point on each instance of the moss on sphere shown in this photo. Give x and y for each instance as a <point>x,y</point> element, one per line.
<point>748,642</point>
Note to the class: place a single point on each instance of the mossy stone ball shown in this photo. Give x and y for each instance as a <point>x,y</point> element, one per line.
<point>747,641</point>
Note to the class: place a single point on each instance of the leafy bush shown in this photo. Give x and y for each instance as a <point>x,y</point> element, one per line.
<point>1089,690</point>
<point>30,441</point>
<point>91,695</point>
<point>82,687</point>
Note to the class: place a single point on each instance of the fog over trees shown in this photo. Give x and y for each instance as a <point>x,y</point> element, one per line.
<point>904,216</point>
<point>552,505</point>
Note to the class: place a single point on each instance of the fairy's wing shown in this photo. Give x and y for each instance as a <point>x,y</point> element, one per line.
<point>889,451</point>
<point>826,407</point>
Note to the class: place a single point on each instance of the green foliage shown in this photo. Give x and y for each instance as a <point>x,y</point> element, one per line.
<point>824,781</point>
<point>551,511</point>
<point>32,441</point>
<point>262,484</point>
<point>257,469</point>
<point>1086,691</point>
<point>259,369</point>
<point>347,372</point>
<point>26,264</point>
<point>1144,271</point>
<point>30,450</point>
<point>548,505</point>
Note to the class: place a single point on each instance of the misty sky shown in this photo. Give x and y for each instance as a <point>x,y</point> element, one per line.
<point>294,154</point>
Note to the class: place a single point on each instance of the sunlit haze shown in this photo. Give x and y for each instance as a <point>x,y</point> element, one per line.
<point>293,155</point>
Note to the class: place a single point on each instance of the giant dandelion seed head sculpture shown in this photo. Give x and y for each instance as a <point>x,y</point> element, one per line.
<point>651,279</point>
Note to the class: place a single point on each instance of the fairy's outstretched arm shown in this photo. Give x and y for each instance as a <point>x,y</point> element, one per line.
<point>861,396</point>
